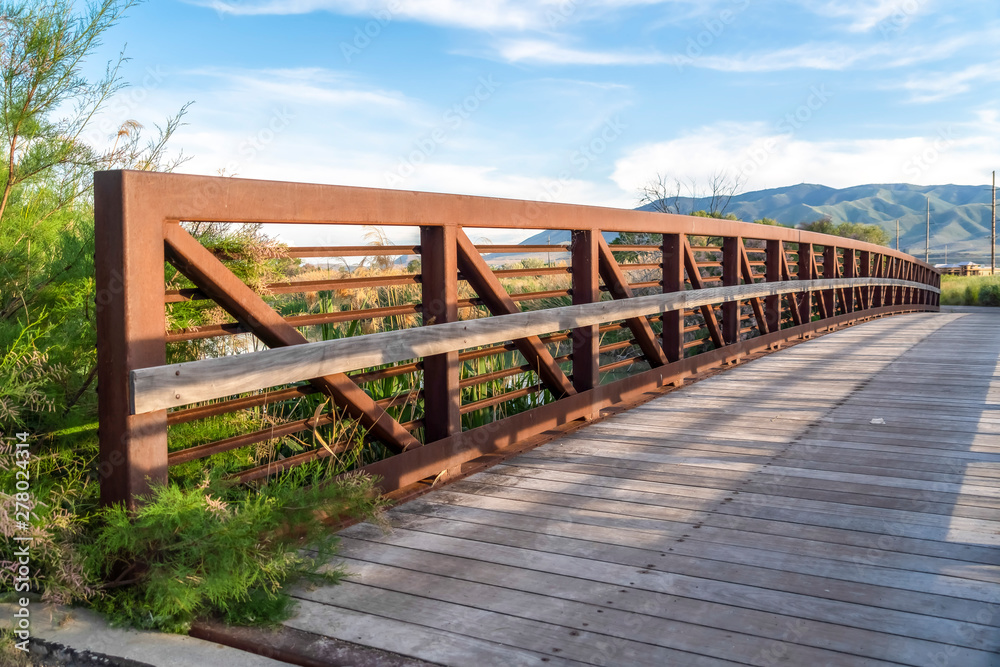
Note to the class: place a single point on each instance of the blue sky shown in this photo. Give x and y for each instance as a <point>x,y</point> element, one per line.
<point>570,100</point>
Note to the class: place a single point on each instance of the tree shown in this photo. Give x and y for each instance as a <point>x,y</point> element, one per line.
<point>47,107</point>
<point>663,193</point>
<point>852,230</point>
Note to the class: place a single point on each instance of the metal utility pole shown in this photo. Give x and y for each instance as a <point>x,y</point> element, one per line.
<point>993,237</point>
<point>897,233</point>
<point>927,247</point>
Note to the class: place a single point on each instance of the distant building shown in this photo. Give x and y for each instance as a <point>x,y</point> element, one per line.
<point>963,269</point>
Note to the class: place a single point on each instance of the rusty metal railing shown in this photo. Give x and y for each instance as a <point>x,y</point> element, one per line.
<point>611,323</point>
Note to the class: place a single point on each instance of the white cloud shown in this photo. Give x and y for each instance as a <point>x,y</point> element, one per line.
<point>517,15</point>
<point>865,15</point>
<point>942,85</point>
<point>768,158</point>
<point>540,51</point>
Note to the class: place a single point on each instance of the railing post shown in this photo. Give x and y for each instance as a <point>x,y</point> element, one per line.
<point>586,289</point>
<point>831,269</point>
<point>866,272</point>
<point>850,271</point>
<point>805,273</point>
<point>673,281</point>
<point>731,276</point>
<point>772,274</point>
<point>131,334</point>
<point>439,294</point>
<point>877,271</point>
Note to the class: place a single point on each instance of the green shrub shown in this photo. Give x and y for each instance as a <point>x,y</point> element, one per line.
<point>989,295</point>
<point>216,550</point>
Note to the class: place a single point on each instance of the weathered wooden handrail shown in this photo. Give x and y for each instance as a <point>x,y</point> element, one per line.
<point>798,283</point>
<point>180,384</point>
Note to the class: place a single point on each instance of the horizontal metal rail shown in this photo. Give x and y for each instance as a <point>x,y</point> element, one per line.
<point>174,385</point>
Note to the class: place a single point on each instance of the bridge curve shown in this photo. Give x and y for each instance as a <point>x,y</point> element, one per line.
<point>834,503</point>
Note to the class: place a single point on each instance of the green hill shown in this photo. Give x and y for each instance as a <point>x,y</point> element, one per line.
<point>960,214</point>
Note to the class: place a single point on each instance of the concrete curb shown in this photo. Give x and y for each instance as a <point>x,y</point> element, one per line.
<point>69,636</point>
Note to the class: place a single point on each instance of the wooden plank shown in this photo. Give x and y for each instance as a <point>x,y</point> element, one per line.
<point>749,551</point>
<point>682,521</point>
<point>622,621</point>
<point>418,640</point>
<point>831,600</point>
<point>180,384</point>
<point>637,613</point>
<point>550,639</point>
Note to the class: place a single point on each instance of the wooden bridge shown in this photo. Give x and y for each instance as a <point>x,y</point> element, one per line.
<point>830,503</point>
<point>834,503</point>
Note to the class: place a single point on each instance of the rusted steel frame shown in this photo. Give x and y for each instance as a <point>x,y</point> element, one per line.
<point>706,248</point>
<point>619,287</point>
<point>384,373</point>
<point>672,337</point>
<point>273,468</point>
<point>128,259</point>
<point>400,399</point>
<point>696,342</point>
<point>709,265</point>
<point>586,289</point>
<point>731,275</point>
<point>878,272</point>
<point>821,302</point>
<point>189,294</point>
<point>636,248</point>
<point>474,380</point>
<point>502,398</point>
<point>439,299</point>
<point>510,347</point>
<point>865,271</point>
<point>203,269</point>
<point>892,293</point>
<point>234,328</point>
<point>490,249</point>
<point>637,267</point>
<point>756,303</point>
<point>850,271</point>
<point>620,345</point>
<point>772,274</point>
<point>621,362</point>
<point>352,251</point>
<point>247,439</point>
<point>531,296</point>
<point>218,199</point>
<point>651,283</point>
<point>542,271</point>
<point>831,269</point>
<point>496,299</point>
<point>430,460</point>
<point>806,265</point>
<point>232,405</point>
<point>697,282</point>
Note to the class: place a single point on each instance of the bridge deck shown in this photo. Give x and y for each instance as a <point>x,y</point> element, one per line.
<point>763,516</point>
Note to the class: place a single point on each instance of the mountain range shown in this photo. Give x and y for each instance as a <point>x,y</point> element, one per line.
<point>960,217</point>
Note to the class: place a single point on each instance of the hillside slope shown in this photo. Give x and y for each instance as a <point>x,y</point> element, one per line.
<point>960,214</point>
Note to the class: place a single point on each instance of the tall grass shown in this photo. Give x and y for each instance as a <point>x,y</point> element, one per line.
<point>970,290</point>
